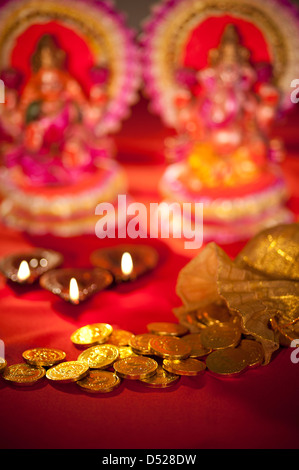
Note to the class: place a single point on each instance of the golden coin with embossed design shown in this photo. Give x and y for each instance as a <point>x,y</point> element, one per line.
<point>188,366</point>
<point>126,351</point>
<point>3,364</point>
<point>44,357</point>
<point>189,319</point>
<point>23,374</point>
<point>91,335</point>
<point>100,357</point>
<point>214,314</point>
<point>140,343</point>
<point>197,349</point>
<point>221,336</point>
<point>99,381</point>
<point>169,329</point>
<point>170,347</point>
<point>135,368</point>
<point>67,372</point>
<point>255,352</point>
<point>120,337</point>
<point>227,362</point>
<point>161,379</point>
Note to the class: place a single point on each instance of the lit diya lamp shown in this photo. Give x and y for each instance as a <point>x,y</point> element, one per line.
<point>126,262</point>
<point>27,268</point>
<point>127,266</point>
<point>76,285</point>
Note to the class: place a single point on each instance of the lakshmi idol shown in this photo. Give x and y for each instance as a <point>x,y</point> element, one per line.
<point>71,72</point>
<point>58,140</point>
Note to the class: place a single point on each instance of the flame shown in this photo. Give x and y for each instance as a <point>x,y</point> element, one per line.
<point>127,264</point>
<point>24,271</point>
<point>74,291</point>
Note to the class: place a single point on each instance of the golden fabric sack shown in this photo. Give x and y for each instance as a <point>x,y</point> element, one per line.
<point>260,287</point>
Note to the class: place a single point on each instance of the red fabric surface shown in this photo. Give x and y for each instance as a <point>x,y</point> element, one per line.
<point>257,410</point>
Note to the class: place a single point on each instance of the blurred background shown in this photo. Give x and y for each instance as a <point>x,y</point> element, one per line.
<point>138,11</point>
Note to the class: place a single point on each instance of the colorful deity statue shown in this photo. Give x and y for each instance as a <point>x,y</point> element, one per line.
<point>71,72</point>
<point>59,138</point>
<point>218,74</point>
<point>226,126</point>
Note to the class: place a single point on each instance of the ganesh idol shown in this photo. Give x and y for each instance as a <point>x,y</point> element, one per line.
<point>225,127</point>
<point>219,77</point>
<point>59,139</point>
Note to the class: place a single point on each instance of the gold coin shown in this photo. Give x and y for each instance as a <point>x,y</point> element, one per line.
<point>3,364</point>
<point>188,366</point>
<point>170,347</point>
<point>91,335</point>
<point>197,349</point>
<point>227,362</point>
<point>120,337</point>
<point>140,343</point>
<point>23,374</point>
<point>221,336</point>
<point>126,351</point>
<point>99,381</point>
<point>169,329</point>
<point>67,372</point>
<point>43,357</point>
<point>135,368</point>
<point>254,351</point>
<point>99,357</point>
<point>189,319</point>
<point>214,314</point>
<point>161,379</point>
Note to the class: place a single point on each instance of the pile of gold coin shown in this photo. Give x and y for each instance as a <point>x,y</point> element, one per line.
<point>216,335</point>
<point>157,358</point>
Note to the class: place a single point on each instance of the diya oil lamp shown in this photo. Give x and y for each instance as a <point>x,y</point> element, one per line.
<point>126,262</point>
<point>76,285</point>
<point>27,268</point>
